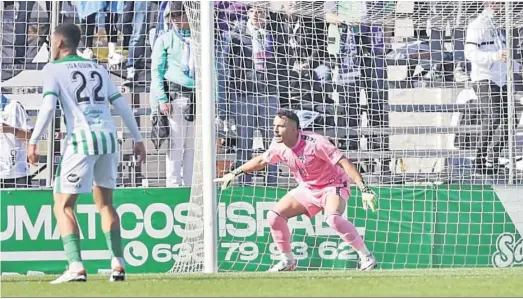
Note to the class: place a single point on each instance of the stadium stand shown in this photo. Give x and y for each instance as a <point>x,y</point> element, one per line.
<point>428,112</point>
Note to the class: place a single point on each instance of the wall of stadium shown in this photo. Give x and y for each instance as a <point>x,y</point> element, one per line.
<point>417,227</point>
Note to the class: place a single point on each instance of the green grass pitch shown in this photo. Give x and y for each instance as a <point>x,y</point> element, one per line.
<point>389,283</point>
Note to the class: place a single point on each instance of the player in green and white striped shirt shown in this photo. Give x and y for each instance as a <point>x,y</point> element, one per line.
<point>90,159</point>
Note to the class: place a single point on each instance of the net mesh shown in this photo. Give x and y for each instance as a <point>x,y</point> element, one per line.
<point>388,81</point>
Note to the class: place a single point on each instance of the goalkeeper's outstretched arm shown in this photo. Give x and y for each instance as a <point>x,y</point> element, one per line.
<point>254,164</point>
<point>351,171</point>
<point>368,196</point>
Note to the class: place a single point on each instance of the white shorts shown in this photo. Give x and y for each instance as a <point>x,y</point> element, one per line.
<point>77,173</point>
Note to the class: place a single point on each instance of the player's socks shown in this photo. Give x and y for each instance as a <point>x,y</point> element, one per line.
<point>75,271</point>
<point>76,267</point>
<point>280,232</point>
<point>72,251</point>
<point>114,243</point>
<point>348,233</point>
<point>117,262</point>
<point>287,256</point>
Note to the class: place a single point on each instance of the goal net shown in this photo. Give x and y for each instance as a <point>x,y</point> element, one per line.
<point>393,84</point>
<point>390,83</point>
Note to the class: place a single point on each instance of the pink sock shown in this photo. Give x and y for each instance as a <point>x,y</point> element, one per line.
<point>347,232</point>
<point>280,231</point>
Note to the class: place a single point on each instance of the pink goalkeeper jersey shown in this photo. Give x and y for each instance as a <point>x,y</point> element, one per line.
<point>312,161</point>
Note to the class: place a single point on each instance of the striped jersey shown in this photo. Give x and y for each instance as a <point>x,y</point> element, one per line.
<point>85,92</point>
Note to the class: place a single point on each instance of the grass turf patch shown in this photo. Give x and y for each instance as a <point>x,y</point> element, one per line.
<point>390,283</point>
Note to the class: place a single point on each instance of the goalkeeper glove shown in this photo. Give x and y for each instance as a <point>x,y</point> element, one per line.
<point>227,179</point>
<point>367,196</point>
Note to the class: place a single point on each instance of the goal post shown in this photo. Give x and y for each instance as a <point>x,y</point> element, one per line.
<point>208,100</point>
<point>510,91</point>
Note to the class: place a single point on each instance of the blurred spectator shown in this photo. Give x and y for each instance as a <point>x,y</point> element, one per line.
<point>88,12</point>
<point>349,70</point>
<point>162,23</point>
<point>134,31</point>
<point>23,15</point>
<point>15,129</point>
<point>485,48</point>
<point>8,39</point>
<point>441,15</point>
<point>256,61</point>
<point>17,14</point>
<point>371,49</point>
<point>172,92</point>
<point>362,67</point>
<point>228,16</point>
<point>305,42</point>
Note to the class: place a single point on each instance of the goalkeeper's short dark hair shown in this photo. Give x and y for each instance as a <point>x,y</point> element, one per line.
<point>290,115</point>
<point>70,35</point>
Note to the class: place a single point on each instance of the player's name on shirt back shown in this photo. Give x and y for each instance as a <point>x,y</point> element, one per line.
<point>83,65</point>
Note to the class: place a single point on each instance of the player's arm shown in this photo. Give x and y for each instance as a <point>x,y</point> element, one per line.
<point>354,174</point>
<point>51,92</point>
<point>45,115</point>
<point>254,164</point>
<point>270,156</point>
<point>368,196</point>
<point>125,112</point>
<point>331,154</point>
<point>351,171</point>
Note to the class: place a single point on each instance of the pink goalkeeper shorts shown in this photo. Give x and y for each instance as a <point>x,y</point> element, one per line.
<point>314,200</point>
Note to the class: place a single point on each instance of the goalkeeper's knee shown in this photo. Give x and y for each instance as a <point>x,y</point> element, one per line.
<point>334,220</point>
<point>275,219</point>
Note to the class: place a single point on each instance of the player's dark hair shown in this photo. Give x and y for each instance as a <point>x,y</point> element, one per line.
<point>290,115</point>
<point>70,35</point>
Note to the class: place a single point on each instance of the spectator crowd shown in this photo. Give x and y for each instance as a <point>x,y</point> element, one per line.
<point>268,55</point>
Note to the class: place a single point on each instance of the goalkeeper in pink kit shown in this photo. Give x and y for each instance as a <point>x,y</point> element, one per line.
<point>323,174</point>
